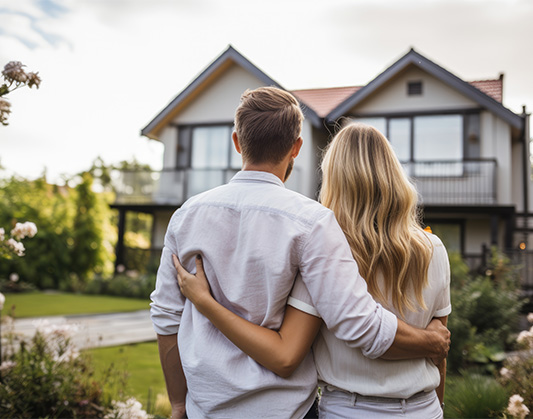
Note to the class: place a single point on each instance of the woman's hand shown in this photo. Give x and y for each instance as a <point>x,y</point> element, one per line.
<point>194,287</point>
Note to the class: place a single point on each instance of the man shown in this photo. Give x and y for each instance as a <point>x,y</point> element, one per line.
<point>254,237</point>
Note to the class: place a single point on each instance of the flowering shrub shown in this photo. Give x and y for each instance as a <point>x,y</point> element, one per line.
<point>516,407</point>
<point>11,246</point>
<point>47,376</point>
<point>517,372</point>
<point>130,409</point>
<point>14,77</point>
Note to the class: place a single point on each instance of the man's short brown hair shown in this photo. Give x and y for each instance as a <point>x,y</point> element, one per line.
<point>268,122</point>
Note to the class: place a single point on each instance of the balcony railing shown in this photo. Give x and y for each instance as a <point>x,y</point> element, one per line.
<point>465,182</point>
<point>166,187</point>
<point>173,187</point>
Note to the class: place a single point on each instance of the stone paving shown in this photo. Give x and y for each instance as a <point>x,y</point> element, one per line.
<point>98,330</point>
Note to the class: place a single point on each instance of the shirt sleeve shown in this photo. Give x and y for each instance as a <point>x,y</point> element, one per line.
<point>444,303</point>
<point>301,299</point>
<point>340,294</point>
<point>167,301</point>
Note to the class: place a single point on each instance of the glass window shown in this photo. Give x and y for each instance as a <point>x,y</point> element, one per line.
<point>378,123</point>
<point>400,137</point>
<point>449,233</point>
<point>210,147</point>
<point>438,137</point>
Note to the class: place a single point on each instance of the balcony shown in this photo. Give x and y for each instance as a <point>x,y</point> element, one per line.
<point>466,182</point>
<point>173,187</point>
<point>165,187</point>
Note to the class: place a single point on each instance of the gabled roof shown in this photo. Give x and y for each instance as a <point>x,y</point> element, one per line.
<point>416,59</point>
<point>219,65</point>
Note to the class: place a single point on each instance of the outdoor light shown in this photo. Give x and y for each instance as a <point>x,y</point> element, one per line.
<point>522,246</point>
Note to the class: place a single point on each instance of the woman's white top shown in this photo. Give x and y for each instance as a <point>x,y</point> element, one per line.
<point>348,369</point>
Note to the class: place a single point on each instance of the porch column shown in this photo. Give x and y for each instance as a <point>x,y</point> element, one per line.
<point>119,250</point>
<point>494,220</point>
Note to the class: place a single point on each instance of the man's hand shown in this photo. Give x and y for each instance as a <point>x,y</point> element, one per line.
<point>442,340</point>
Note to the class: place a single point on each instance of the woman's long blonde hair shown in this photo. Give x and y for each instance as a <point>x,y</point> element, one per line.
<point>376,206</point>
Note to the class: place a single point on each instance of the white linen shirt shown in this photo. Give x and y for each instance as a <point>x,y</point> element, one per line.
<point>347,369</point>
<point>254,236</point>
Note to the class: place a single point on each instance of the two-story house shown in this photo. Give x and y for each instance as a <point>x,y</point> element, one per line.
<point>466,152</point>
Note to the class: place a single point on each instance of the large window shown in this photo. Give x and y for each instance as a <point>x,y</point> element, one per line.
<point>439,140</point>
<point>208,150</point>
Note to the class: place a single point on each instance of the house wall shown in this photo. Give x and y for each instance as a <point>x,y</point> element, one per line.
<point>217,104</point>
<point>496,143</point>
<point>392,97</point>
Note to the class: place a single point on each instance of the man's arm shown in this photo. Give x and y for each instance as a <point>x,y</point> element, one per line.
<point>174,378</point>
<point>340,295</point>
<point>410,342</point>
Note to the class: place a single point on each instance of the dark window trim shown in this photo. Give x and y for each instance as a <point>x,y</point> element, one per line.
<point>418,113</point>
<point>412,115</point>
<point>181,127</point>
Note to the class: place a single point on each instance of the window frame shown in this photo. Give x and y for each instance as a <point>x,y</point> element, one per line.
<point>412,115</point>
<point>188,131</point>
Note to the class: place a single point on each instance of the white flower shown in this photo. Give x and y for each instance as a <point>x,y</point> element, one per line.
<point>13,71</point>
<point>17,247</point>
<point>2,231</point>
<point>524,336</point>
<point>505,373</point>
<point>2,300</point>
<point>28,229</point>
<point>14,277</point>
<point>516,407</point>
<point>130,409</point>
<point>530,317</point>
<point>7,365</point>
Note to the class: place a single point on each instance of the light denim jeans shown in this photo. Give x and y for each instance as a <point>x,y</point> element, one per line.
<point>335,404</point>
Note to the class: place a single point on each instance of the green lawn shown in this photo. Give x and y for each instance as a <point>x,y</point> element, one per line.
<point>141,361</point>
<point>44,304</point>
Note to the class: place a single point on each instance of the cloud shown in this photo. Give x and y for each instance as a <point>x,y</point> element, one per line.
<point>29,22</point>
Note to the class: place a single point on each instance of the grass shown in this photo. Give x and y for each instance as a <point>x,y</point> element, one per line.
<point>141,361</point>
<point>43,304</point>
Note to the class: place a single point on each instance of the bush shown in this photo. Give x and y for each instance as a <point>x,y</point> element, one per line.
<point>485,313</point>
<point>48,377</point>
<point>517,369</point>
<point>126,285</point>
<point>474,396</point>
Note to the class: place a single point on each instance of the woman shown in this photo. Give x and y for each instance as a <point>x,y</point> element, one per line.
<point>406,270</point>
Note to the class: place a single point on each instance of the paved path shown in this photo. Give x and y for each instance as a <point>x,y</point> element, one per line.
<point>99,330</point>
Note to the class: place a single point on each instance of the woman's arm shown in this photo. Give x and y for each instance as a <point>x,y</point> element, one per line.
<point>442,368</point>
<point>279,351</point>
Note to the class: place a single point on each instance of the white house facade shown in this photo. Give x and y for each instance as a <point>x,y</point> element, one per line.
<point>467,153</point>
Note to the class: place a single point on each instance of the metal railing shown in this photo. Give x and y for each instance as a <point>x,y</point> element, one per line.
<point>465,182</point>
<point>165,187</point>
<point>173,186</point>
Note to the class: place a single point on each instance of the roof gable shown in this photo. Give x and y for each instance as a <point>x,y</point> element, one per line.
<point>228,58</point>
<point>471,91</point>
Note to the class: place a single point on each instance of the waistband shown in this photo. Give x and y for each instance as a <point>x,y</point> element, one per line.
<point>421,395</point>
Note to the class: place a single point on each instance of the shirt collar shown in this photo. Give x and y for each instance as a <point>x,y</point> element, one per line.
<point>255,176</point>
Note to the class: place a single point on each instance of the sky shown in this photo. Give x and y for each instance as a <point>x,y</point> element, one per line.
<point>108,67</point>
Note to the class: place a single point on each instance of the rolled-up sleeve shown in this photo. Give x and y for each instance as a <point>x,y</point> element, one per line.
<point>167,301</point>
<point>339,293</point>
